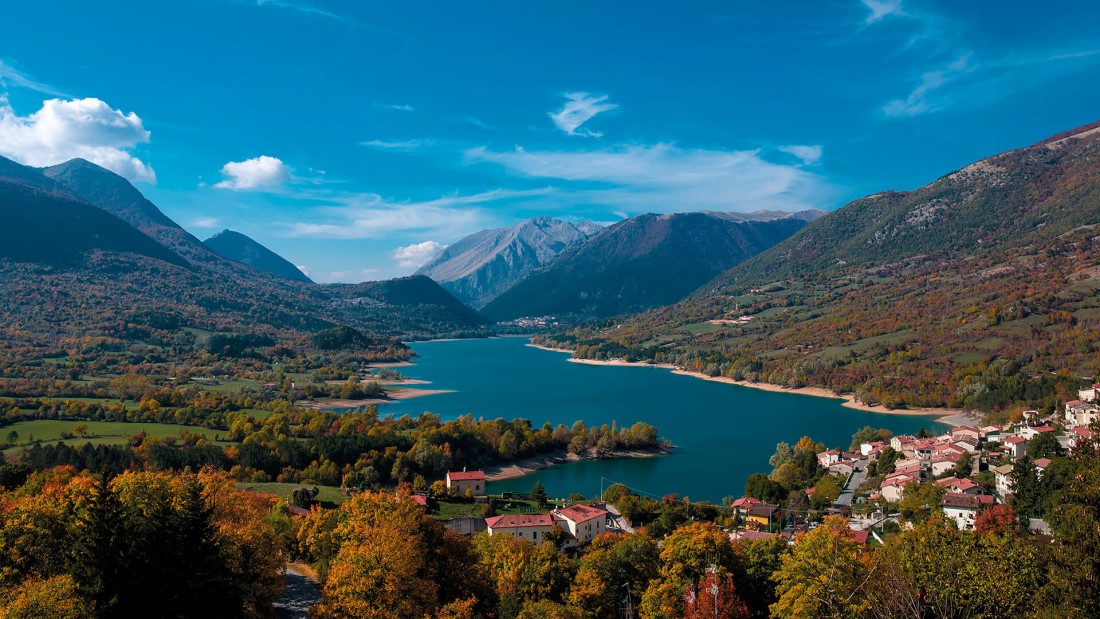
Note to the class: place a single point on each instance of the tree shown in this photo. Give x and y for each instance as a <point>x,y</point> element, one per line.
<point>1075,522</point>
<point>963,573</point>
<point>13,437</point>
<point>304,497</point>
<point>715,596</point>
<point>825,575</point>
<point>919,501</point>
<point>614,492</point>
<point>826,492</point>
<point>615,564</point>
<point>998,520</point>
<point>1027,489</point>
<point>538,494</point>
<point>55,598</point>
<point>1044,445</point>
<point>760,486</point>
<point>760,559</point>
<point>685,557</point>
<point>81,429</point>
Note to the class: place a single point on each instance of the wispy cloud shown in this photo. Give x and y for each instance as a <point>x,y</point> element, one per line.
<point>11,76</point>
<point>67,129</point>
<point>205,222</point>
<point>397,107</point>
<point>808,155</point>
<point>416,255</point>
<point>967,81</point>
<point>258,173</point>
<point>666,178</point>
<point>300,7</point>
<point>397,145</point>
<point>881,9</point>
<point>579,108</point>
<point>922,99</point>
<point>360,216</point>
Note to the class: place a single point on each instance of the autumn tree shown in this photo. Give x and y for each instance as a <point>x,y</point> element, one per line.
<point>825,575</point>
<point>685,557</point>
<point>715,596</point>
<point>614,565</point>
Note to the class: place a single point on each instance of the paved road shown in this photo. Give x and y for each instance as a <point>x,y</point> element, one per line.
<point>300,595</point>
<point>854,482</point>
<point>620,522</point>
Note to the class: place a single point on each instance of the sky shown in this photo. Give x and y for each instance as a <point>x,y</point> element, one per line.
<point>356,139</point>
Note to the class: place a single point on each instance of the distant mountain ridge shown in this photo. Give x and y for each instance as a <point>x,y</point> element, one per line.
<point>241,248</point>
<point>479,267</point>
<point>644,262</point>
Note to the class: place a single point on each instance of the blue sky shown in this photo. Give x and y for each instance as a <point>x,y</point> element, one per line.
<point>355,138</point>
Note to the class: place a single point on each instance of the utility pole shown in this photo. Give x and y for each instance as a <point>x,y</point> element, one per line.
<point>628,604</point>
<point>713,588</point>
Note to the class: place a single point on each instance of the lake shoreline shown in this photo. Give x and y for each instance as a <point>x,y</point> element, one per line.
<point>526,466</point>
<point>949,416</point>
<point>393,396</point>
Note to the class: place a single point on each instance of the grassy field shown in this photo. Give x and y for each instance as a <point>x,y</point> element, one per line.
<point>98,433</point>
<point>447,510</point>
<point>330,497</point>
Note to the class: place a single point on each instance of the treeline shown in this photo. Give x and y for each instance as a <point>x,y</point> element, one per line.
<point>357,449</point>
<point>137,545</point>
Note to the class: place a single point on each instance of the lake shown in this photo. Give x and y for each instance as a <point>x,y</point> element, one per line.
<point>723,432</point>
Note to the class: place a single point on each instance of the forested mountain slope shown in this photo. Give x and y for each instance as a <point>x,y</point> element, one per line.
<point>939,296</point>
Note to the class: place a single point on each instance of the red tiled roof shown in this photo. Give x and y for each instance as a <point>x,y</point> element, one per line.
<point>859,537</point>
<point>465,476</point>
<point>509,521</point>
<point>581,513</point>
<point>966,501</point>
<point>419,499</point>
<point>745,502</point>
<point>1042,463</point>
<point>1015,440</point>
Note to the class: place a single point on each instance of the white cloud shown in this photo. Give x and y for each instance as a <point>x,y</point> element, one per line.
<point>395,107</point>
<point>205,222</point>
<point>371,216</point>
<point>414,256</point>
<point>808,154</point>
<point>261,172</point>
<point>920,100</point>
<point>304,269</point>
<point>12,76</point>
<point>396,145</point>
<point>666,178</point>
<point>67,129</point>
<point>881,9</point>
<point>579,108</point>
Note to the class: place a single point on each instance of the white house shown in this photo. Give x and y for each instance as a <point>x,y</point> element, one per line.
<point>964,508</point>
<point>1016,446</point>
<point>461,480</point>
<point>533,527</point>
<point>1089,395</point>
<point>1003,476</point>
<point>582,521</point>
<point>1081,414</point>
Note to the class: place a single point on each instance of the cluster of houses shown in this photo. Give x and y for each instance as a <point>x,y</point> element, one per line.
<point>929,458</point>
<point>580,524</point>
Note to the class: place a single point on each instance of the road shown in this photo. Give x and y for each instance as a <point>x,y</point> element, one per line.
<point>620,522</point>
<point>858,475</point>
<point>300,595</point>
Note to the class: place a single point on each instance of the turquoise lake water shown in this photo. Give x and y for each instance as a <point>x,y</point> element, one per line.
<point>723,433</point>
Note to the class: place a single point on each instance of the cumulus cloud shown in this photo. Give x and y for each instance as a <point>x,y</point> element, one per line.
<point>666,178</point>
<point>304,269</point>
<point>579,108</point>
<point>261,172</point>
<point>69,128</point>
<point>414,256</point>
<point>809,154</point>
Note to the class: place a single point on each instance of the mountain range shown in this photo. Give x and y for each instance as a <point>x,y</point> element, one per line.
<point>481,266</point>
<point>84,255</point>
<point>643,262</point>
<point>932,297</point>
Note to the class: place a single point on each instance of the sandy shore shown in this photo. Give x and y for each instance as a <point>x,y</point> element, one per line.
<point>391,364</point>
<point>526,466</point>
<point>950,416</point>
<point>394,381</point>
